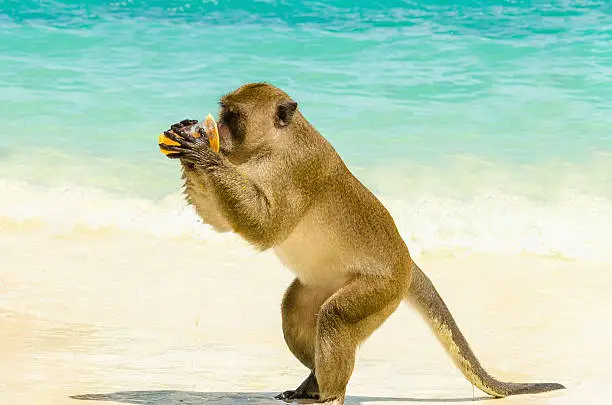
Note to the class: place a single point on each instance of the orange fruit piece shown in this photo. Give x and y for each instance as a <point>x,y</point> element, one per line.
<point>166,141</point>
<point>210,126</point>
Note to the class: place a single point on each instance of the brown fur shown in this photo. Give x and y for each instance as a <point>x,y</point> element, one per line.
<point>280,185</point>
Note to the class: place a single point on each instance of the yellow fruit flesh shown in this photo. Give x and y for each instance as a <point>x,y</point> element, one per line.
<point>166,141</point>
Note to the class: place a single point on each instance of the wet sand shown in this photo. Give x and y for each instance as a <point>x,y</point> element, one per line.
<point>134,319</point>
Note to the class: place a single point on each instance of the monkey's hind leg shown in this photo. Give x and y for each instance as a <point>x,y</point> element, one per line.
<point>345,320</point>
<point>299,314</point>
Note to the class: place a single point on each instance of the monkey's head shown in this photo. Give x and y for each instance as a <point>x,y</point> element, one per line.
<point>252,117</point>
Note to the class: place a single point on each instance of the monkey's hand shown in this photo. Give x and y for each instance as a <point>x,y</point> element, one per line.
<point>190,149</point>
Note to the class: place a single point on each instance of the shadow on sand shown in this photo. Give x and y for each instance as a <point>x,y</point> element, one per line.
<point>222,398</point>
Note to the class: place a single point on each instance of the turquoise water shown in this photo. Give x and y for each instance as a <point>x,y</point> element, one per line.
<point>485,120</point>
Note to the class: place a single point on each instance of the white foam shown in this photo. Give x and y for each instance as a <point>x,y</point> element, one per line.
<point>62,211</point>
<point>574,226</point>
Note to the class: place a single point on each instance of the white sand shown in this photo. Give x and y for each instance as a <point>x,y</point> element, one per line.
<point>129,318</point>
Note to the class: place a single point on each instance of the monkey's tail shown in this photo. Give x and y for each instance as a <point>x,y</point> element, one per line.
<point>423,295</point>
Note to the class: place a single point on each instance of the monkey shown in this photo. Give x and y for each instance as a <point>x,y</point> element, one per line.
<point>280,185</point>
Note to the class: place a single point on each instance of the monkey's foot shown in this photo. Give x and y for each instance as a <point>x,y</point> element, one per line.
<point>298,395</point>
<point>309,399</point>
<point>307,392</point>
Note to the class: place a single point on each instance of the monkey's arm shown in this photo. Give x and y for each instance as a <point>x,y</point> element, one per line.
<point>250,208</point>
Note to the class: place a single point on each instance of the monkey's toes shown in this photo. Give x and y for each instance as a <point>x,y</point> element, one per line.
<point>295,395</point>
<point>285,395</point>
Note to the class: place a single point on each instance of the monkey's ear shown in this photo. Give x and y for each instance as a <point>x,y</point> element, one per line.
<point>285,111</point>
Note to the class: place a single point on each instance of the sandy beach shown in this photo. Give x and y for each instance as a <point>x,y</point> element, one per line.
<point>136,319</point>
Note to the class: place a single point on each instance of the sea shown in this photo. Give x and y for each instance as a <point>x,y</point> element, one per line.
<point>483,126</point>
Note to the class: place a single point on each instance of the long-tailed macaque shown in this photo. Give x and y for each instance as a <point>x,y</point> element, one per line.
<point>277,183</point>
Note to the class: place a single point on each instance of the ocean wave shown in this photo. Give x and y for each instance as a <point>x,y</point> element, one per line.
<point>574,226</point>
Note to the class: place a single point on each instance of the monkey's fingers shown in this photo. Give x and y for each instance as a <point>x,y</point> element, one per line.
<point>180,131</point>
<point>176,151</point>
<point>176,127</point>
<point>184,154</point>
<point>179,127</point>
<point>183,124</point>
<point>181,137</point>
<point>188,123</point>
